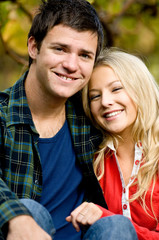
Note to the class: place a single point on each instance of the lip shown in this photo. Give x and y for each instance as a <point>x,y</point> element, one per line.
<point>111,115</point>
<point>66,77</point>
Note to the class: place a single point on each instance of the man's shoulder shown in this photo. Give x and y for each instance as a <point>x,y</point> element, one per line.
<point>79,123</point>
<point>12,94</point>
<point>75,103</point>
<point>75,112</point>
<point>4,99</point>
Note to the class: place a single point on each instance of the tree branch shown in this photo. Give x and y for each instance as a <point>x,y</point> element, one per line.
<point>21,6</point>
<point>12,54</point>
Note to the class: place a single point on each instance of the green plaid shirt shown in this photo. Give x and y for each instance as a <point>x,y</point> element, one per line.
<point>20,168</point>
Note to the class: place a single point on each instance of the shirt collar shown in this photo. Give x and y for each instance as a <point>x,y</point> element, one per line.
<point>138,149</point>
<point>18,111</point>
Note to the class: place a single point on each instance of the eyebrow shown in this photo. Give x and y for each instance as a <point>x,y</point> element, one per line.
<point>67,46</point>
<point>93,89</point>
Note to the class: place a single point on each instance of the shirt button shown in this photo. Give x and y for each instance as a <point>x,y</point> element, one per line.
<point>139,144</point>
<point>36,181</point>
<point>124,206</point>
<point>136,162</point>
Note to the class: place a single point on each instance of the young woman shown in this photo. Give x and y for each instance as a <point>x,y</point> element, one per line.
<point>122,99</point>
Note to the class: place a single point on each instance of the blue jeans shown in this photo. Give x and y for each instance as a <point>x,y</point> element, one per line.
<point>116,227</point>
<point>40,215</point>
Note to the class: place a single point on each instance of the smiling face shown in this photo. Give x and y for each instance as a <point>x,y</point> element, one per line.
<point>111,106</point>
<point>65,61</point>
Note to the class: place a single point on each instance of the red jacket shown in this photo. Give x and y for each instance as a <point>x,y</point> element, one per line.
<point>116,195</point>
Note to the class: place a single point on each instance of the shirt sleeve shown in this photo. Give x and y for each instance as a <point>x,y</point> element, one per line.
<point>145,234</point>
<point>105,212</point>
<point>142,232</point>
<point>10,206</point>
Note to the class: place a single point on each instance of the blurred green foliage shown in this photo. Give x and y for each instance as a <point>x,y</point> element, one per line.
<point>128,24</point>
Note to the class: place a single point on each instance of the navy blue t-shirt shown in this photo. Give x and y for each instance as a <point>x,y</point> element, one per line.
<point>62,191</point>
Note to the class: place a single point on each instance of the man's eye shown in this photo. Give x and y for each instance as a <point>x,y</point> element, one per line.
<point>86,56</point>
<point>59,49</point>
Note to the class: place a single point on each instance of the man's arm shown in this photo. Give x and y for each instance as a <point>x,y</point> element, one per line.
<point>10,206</point>
<point>25,228</point>
<point>16,221</point>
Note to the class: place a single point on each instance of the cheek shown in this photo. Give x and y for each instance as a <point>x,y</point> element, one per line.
<point>134,112</point>
<point>92,108</point>
<point>87,70</point>
<point>48,58</point>
<point>133,108</point>
<point>95,110</point>
<point>42,61</point>
<point>129,103</point>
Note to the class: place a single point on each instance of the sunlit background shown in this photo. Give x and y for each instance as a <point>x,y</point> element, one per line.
<point>132,25</point>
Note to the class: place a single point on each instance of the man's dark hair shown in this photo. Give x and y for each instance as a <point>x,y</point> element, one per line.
<point>77,14</point>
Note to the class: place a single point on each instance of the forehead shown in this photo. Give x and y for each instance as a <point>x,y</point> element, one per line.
<point>71,37</point>
<point>103,74</point>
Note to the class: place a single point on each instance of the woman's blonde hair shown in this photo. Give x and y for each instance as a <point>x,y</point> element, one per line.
<point>144,91</point>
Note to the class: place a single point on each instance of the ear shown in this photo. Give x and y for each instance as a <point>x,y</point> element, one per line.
<point>32,47</point>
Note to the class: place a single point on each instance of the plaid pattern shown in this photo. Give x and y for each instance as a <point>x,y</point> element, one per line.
<point>20,168</point>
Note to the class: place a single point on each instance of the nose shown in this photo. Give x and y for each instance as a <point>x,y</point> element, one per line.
<point>71,63</point>
<point>107,99</point>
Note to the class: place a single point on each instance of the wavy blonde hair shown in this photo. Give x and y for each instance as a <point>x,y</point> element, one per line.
<point>144,91</point>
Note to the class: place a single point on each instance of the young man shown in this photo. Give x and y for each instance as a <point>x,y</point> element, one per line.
<point>46,143</point>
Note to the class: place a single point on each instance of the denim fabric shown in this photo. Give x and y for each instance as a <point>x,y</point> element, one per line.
<point>40,214</point>
<point>116,227</point>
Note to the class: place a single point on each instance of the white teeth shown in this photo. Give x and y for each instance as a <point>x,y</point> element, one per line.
<point>113,114</point>
<point>65,78</point>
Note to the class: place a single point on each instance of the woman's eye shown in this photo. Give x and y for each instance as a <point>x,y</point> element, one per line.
<point>117,89</point>
<point>94,97</point>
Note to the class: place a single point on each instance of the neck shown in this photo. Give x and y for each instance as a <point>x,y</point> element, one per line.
<point>125,155</point>
<point>40,101</point>
<point>48,112</point>
<point>126,149</point>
